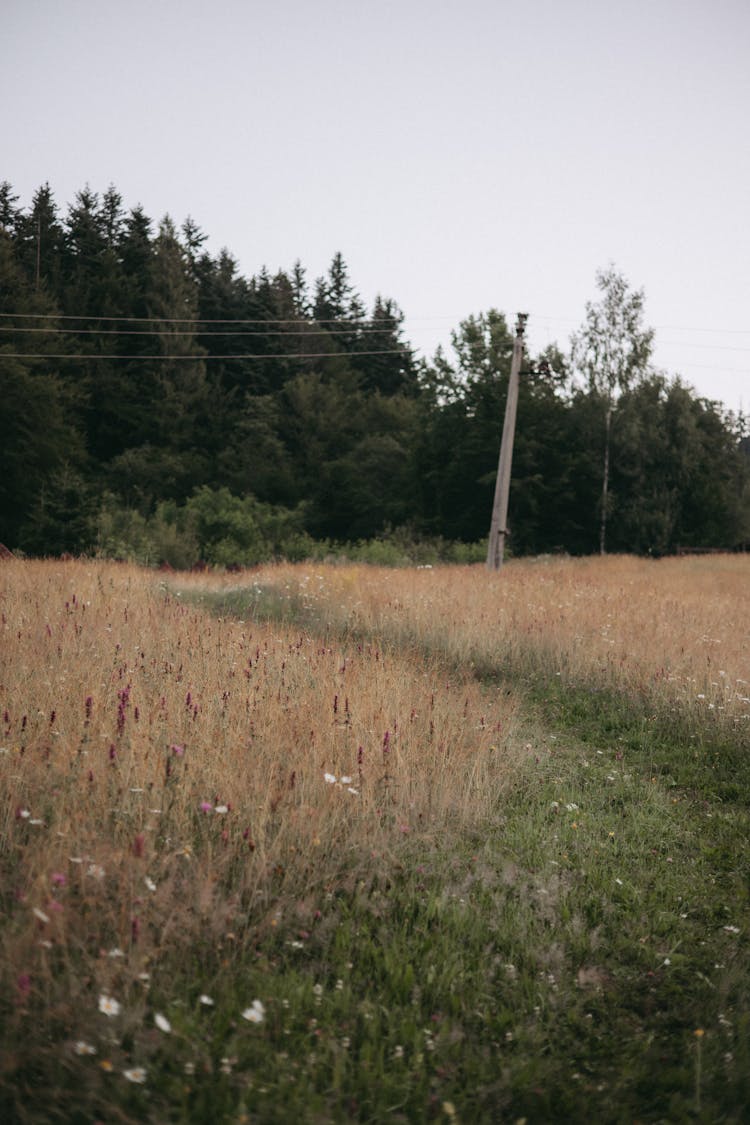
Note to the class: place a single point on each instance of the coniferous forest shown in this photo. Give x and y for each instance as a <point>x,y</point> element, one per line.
<point>158,405</point>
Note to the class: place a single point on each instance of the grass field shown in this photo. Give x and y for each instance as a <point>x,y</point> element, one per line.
<point>329,844</point>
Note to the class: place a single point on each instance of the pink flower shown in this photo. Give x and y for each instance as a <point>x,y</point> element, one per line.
<point>206,806</point>
<point>58,879</point>
<point>178,751</point>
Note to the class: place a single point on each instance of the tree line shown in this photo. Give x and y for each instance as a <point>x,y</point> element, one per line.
<point>159,404</point>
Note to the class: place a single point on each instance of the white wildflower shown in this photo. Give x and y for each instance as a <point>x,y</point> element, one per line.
<point>109,1006</point>
<point>137,1074</point>
<point>255,1013</point>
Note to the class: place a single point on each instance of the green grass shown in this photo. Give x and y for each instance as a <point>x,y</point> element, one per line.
<point>556,966</point>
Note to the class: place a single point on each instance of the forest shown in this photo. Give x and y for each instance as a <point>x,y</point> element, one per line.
<point>158,405</point>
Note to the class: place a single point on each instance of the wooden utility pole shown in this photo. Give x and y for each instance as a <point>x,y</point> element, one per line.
<point>38,250</point>
<point>498,529</point>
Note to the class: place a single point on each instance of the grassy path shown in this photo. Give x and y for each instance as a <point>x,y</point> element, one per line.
<point>583,956</point>
<point>550,929</point>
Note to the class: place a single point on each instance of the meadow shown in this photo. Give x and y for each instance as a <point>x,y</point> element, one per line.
<point>344,843</point>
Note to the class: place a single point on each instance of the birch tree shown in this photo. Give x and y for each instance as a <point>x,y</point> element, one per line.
<point>612,352</point>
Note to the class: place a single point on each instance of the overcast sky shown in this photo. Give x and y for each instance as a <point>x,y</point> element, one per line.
<point>461,154</point>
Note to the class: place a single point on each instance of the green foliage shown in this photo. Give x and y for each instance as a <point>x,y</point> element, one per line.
<point>61,518</point>
<point>212,527</point>
<point>181,374</point>
<point>613,349</point>
<point>242,531</point>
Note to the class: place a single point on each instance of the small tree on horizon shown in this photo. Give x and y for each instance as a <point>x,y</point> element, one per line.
<point>612,352</point>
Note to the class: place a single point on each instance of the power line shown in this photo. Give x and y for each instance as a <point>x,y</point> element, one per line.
<point>196,332</point>
<point>199,358</point>
<point>195,320</point>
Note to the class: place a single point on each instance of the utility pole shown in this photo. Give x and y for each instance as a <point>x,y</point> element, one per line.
<point>498,529</point>
<point>38,249</point>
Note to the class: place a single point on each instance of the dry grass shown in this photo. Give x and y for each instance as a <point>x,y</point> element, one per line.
<point>674,629</point>
<point>148,745</point>
<point>168,829</point>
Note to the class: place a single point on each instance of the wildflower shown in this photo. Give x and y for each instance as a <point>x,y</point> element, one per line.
<point>255,1013</point>
<point>205,1000</point>
<point>354,792</point>
<point>40,915</point>
<point>109,1006</point>
<point>81,1047</point>
<point>699,1033</point>
<point>728,929</point>
<point>116,952</point>
<point>95,870</point>
<point>162,1023</point>
<point>150,883</point>
<point>189,1068</point>
<point>106,1066</point>
<point>398,1052</point>
<point>23,814</point>
<point>178,751</point>
<point>58,879</point>
<point>346,780</point>
<point>226,1066</point>
<point>619,882</point>
<point>206,806</point>
<point>330,778</point>
<point>137,1074</point>
<point>221,809</point>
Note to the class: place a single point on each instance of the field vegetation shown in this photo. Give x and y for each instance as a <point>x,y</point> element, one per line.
<point>345,843</point>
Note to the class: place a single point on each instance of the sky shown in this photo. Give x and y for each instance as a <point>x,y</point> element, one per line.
<point>462,155</point>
